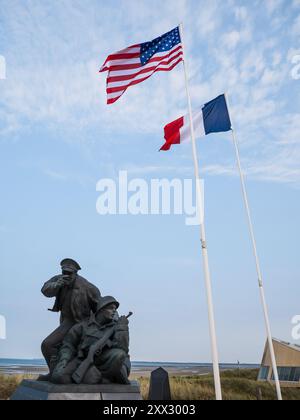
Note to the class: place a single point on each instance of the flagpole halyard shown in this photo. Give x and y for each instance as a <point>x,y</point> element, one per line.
<point>257,261</point>
<point>213,335</point>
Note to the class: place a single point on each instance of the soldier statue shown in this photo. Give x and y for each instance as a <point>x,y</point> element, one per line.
<point>76,298</point>
<point>95,351</point>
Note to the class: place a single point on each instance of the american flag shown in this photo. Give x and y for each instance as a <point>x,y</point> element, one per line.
<point>137,63</point>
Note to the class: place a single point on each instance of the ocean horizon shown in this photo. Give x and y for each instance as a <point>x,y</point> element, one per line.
<point>6,362</point>
<point>142,368</point>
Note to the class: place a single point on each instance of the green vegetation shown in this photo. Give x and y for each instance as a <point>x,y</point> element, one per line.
<point>236,385</point>
<point>7,385</point>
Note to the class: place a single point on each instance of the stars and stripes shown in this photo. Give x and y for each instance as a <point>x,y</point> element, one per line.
<point>137,63</point>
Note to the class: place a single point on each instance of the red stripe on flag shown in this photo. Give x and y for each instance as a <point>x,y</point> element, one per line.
<point>143,69</point>
<point>135,82</point>
<point>133,66</point>
<point>124,54</point>
<point>172,133</point>
<point>122,89</point>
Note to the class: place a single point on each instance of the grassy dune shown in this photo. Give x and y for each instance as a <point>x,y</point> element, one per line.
<point>8,384</point>
<point>236,385</point>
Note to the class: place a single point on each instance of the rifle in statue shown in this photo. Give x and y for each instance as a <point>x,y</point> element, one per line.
<point>96,348</point>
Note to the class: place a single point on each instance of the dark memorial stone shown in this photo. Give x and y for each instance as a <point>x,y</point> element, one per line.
<point>159,386</point>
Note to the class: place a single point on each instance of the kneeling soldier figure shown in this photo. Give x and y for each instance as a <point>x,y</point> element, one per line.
<point>96,351</point>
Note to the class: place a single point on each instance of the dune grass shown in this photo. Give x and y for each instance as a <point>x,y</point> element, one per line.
<point>236,385</point>
<point>8,384</point>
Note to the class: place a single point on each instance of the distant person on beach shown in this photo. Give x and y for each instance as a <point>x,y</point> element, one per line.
<point>76,298</point>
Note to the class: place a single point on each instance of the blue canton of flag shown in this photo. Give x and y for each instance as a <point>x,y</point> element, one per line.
<point>163,43</point>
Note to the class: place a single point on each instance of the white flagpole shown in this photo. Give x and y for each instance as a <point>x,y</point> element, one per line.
<point>213,335</point>
<point>258,268</point>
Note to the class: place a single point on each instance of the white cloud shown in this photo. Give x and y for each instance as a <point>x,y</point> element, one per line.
<point>79,178</point>
<point>207,18</point>
<point>277,58</point>
<point>231,39</point>
<point>219,170</point>
<point>252,65</point>
<point>55,175</point>
<point>53,79</point>
<point>60,86</point>
<point>296,26</point>
<point>271,77</point>
<point>241,13</point>
<point>137,170</point>
<point>273,6</point>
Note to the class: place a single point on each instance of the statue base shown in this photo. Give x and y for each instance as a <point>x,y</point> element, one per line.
<point>45,391</point>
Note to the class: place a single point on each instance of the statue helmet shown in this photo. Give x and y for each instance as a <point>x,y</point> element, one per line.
<point>105,301</point>
<point>70,265</point>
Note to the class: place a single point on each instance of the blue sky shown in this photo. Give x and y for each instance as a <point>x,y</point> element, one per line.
<point>58,138</point>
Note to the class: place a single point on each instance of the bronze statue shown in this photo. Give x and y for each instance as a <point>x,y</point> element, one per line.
<point>96,350</point>
<point>76,298</point>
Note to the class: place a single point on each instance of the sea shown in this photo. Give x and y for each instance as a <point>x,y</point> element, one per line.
<point>37,366</point>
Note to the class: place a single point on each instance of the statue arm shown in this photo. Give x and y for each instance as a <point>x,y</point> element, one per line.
<point>50,288</point>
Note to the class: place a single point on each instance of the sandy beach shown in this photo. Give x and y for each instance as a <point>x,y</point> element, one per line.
<point>138,369</point>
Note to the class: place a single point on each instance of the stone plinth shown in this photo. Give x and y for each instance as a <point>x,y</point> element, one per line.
<point>34,390</point>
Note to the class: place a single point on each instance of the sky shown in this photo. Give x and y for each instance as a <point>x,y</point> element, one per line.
<point>58,138</point>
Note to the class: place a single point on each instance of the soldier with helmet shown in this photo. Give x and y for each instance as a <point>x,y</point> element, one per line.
<point>107,333</point>
<point>76,298</point>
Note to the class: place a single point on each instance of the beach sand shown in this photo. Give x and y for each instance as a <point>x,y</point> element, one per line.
<point>141,371</point>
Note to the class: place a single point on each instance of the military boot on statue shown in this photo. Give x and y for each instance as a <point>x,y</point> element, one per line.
<point>47,378</point>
